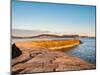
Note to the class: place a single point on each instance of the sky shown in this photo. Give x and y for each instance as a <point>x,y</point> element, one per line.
<point>58,18</point>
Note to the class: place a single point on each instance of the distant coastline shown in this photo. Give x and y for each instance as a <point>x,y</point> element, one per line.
<point>53,36</point>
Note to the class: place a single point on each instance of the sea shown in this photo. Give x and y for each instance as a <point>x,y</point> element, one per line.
<point>85,51</point>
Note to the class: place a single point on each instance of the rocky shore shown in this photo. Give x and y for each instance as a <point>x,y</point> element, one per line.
<point>40,59</point>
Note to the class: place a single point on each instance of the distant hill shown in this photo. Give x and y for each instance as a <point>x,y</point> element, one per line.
<point>46,36</point>
<point>49,36</point>
<point>18,33</point>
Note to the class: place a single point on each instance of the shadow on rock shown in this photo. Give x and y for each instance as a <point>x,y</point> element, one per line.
<point>15,51</point>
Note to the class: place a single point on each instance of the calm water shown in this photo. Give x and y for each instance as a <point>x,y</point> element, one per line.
<point>85,51</point>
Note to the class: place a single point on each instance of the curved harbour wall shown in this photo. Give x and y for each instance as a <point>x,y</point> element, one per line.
<point>51,44</point>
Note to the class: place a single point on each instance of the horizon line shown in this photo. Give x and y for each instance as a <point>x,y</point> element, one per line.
<point>57,33</point>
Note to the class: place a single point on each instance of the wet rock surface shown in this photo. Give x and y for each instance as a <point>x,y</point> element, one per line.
<point>38,59</point>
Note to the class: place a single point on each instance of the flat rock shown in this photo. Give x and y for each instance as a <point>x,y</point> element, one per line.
<point>38,59</point>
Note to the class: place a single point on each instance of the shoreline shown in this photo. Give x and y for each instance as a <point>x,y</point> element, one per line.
<point>32,59</point>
